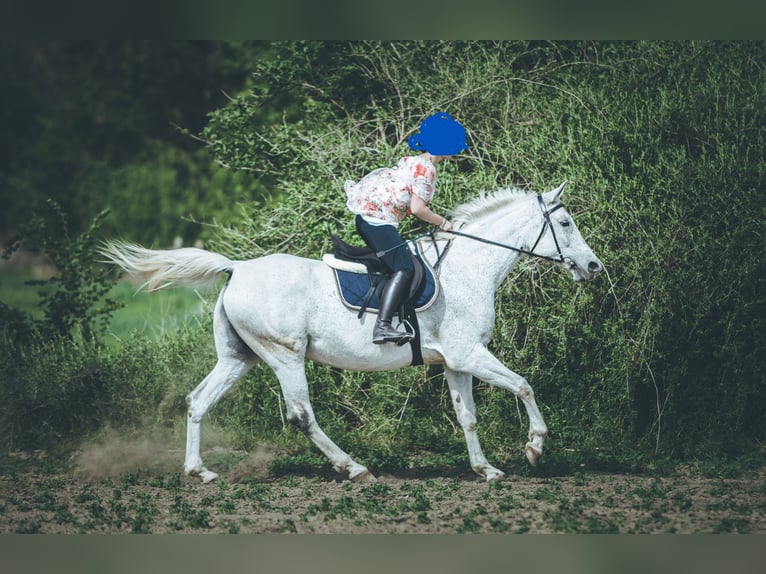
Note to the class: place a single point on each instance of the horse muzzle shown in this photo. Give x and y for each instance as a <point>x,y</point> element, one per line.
<point>585,270</point>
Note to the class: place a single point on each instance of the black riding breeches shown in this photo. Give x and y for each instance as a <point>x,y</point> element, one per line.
<point>397,256</point>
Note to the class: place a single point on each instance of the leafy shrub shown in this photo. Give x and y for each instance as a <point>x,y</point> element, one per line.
<point>73,301</point>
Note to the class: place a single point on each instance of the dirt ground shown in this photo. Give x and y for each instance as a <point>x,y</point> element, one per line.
<point>142,496</point>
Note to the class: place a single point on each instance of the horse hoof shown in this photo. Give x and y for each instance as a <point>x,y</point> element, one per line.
<point>204,474</point>
<point>492,474</point>
<point>532,455</point>
<point>363,476</point>
<point>207,476</point>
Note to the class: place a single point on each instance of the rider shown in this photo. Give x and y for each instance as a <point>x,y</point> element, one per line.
<point>385,196</point>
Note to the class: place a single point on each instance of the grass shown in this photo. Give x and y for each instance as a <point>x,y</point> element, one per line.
<point>152,314</point>
<point>156,313</point>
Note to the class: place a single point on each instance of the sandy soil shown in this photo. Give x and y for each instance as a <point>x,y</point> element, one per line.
<point>143,496</point>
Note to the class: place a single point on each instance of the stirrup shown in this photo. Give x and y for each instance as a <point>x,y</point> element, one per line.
<point>392,335</point>
<point>408,336</point>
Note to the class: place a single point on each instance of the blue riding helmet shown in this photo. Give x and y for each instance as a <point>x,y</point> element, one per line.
<point>440,134</point>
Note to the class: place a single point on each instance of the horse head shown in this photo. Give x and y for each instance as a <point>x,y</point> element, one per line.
<point>561,241</point>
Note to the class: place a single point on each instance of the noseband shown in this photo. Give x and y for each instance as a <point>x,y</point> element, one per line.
<point>547,224</point>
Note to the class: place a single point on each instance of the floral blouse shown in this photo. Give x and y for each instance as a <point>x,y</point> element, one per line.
<point>383,195</point>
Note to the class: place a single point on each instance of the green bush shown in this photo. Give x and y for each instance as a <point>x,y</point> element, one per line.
<point>74,301</point>
<point>57,394</point>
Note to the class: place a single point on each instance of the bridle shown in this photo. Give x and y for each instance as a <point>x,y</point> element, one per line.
<point>547,224</point>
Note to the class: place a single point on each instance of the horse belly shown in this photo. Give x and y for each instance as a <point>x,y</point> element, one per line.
<point>347,344</point>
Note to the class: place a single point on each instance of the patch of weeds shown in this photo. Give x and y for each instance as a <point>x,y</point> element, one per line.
<point>288,526</point>
<point>645,497</point>
<point>144,512</point>
<point>469,526</point>
<point>45,501</point>
<point>258,493</point>
<point>131,478</point>
<point>186,516</point>
<point>20,504</point>
<point>599,525</point>
<point>418,499</point>
<point>508,502</point>
<point>581,478</point>
<point>231,527</point>
<point>64,516</point>
<point>719,488</point>
<point>86,494</point>
<point>547,493</point>
<point>97,512</point>
<point>227,507</point>
<point>730,525</point>
<point>499,486</point>
<point>524,526</point>
<point>682,501</point>
<point>209,500</point>
<point>30,526</point>
<point>376,498</point>
<point>170,482</point>
<point>571,517</point>
<point>562,520</point>
<point>199,519</point>
<point>343,508</point>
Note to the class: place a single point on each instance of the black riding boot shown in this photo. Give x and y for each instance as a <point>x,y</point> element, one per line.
<point>392,298</point>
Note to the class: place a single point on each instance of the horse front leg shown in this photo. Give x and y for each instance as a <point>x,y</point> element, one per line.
<point>465,409</point>
<point>483,365</point>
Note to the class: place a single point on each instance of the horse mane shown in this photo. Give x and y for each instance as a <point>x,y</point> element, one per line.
<point>486,203</point>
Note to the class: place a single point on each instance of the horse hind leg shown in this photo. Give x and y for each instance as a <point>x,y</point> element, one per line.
<point>292,379</point>
<point>234,361</point>
<point>223,376</point>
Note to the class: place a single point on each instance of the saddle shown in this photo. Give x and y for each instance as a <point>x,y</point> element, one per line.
<point>376,269</point>
<point>361,277</point>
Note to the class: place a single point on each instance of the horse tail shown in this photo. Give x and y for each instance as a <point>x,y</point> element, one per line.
<point>162,268</point>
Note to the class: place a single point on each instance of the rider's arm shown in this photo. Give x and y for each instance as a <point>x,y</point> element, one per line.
<point>420,209</point>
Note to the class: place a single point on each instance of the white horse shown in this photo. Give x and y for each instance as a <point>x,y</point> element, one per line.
<point>282,310</point>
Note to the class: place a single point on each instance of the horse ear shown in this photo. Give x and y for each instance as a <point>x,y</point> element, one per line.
<point>555,195</point>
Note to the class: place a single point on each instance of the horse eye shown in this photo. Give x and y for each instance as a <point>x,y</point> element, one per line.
<point>565,223</point>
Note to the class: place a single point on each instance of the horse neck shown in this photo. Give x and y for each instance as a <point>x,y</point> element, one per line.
<point>491,263</point>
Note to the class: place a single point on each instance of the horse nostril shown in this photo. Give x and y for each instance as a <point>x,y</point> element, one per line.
<point>594,267</point>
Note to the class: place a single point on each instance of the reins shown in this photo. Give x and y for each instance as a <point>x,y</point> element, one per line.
<point>546,224</point>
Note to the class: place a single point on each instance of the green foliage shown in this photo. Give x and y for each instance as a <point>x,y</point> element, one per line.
<point>56,395</point>
<point>105,125</point>
<point>73,301</point>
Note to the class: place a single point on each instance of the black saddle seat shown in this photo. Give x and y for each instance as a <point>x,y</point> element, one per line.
<point>367,257</point>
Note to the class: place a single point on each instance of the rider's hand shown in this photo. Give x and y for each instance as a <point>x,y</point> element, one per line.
<point>446,225</point>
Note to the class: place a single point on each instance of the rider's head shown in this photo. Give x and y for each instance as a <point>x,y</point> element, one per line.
<point>440,135</point>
